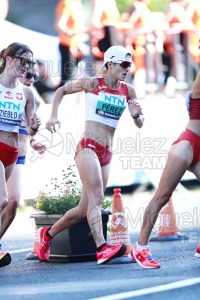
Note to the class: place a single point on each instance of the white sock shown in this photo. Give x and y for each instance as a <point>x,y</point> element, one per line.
<point>139,247</point>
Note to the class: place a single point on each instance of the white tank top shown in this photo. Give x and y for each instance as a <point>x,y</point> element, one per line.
<point>12,105</point>
<point>105,105</point>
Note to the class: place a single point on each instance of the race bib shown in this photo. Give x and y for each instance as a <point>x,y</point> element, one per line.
<point>10,113</point>
<point>110,106</point>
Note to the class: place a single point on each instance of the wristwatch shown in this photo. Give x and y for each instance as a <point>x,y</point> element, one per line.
<point>136,117</point>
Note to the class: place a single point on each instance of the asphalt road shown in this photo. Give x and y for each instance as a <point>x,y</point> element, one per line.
<point>178,278</point>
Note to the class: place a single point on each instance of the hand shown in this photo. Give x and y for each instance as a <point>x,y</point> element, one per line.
<point>40,148</point>
<point>51,124</point>
<point>134,107</point>
<point>35,121</point>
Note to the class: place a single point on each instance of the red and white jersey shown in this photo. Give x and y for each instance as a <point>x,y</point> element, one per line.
<point>105,105</point>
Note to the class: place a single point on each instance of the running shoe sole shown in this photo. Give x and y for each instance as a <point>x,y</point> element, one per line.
<point>6,260</point>
<point>197,254</point>
<point>118,254</point>
<point>31,256</point>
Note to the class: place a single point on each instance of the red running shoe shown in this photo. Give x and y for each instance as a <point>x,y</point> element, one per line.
<point>109,252</point>
<point>197,253</point>
<point>43,249</point>
<point>144,258</point>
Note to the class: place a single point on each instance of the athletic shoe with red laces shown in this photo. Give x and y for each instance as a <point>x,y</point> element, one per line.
<point>109,252</point>
<point>43,249</point>
<point>197,253</point>
<point>144,258</point>
<point>5,258</point>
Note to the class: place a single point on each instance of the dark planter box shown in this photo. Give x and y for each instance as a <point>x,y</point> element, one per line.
<point>74,244</point>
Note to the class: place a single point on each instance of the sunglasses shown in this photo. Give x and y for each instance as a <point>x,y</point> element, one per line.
<point>30,75</point>
<point>125,64</point>
<point>24,61</point>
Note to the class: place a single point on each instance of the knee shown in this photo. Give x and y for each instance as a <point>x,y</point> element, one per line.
<point>3,205</point>
<point>162,197</point>
<point>12,205</point>
<point>81,212</point>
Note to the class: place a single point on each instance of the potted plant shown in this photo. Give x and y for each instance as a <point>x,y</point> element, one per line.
<point>63,193</point>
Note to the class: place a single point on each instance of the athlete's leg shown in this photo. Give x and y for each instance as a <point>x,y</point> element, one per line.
<point>179,159</point>
<point>94,179</point>
<point>72,216</point>
<point>14,187</point>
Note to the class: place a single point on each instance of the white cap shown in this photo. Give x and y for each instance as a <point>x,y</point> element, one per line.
<point>116,54</point>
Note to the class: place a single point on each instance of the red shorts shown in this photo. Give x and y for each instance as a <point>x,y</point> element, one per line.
<point>103,154</point>
<point>194,140</point>
<point>8,154</point>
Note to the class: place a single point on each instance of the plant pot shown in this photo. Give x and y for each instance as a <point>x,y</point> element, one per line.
<point>74,244</point>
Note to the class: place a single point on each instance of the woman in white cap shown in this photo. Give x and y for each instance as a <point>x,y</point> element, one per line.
<point>105,100</point>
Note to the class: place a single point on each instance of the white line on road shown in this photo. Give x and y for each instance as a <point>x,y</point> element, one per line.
<point>80,287</point>
<point>155,289</point>
<point>20,250</point>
